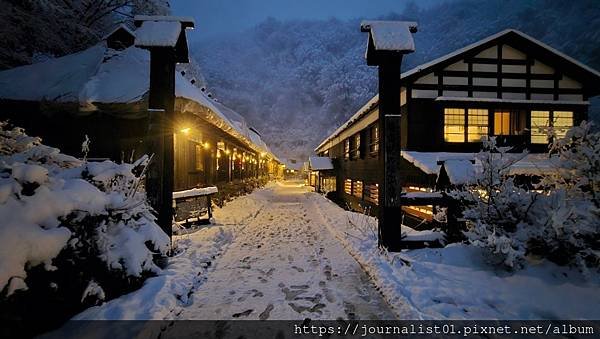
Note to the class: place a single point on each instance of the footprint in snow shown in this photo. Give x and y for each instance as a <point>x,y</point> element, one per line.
<point>266,313</point>
<point>298,268</point>
<point>242,314</point>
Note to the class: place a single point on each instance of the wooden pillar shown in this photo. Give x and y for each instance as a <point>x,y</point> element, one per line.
<point>390,187</point>
<point>385,50</point>
<point>161,102</point>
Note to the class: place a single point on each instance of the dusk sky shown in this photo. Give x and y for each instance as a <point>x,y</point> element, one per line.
<point>217,16</point>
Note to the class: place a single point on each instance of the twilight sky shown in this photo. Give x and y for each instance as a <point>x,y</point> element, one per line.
<point>218,16</point>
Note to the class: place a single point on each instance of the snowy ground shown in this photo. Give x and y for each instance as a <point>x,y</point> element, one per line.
<point>270,257</point>
<point>285,253</point>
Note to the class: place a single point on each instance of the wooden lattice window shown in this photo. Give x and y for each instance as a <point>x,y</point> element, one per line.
<point>454,125</point>
<point>540,124</point>
<point>562,121</point>
<point>347,149</point>
<point>477,124</point>
<point>357,189</point>
<point>348,186</point>
<point>374,140</point>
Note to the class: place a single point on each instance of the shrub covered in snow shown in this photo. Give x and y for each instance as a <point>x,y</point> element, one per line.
<point>70,231</point>
<point>557,218</point>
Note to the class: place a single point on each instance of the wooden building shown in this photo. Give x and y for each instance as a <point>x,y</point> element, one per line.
<point>103,91</point>
<point>508,85</point>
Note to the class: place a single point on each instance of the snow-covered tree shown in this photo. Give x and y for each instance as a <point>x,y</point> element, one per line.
<point>557,218</point>
<point>496,209</point>
<point>569,231</point>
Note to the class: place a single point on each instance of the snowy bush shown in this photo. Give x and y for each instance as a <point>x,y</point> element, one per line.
<point>496,210</point>
<point>557,218</point>
<point>569,230</point>
<point>78,230</point>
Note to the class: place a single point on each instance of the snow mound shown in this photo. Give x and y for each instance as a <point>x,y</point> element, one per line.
<point>50,202</point>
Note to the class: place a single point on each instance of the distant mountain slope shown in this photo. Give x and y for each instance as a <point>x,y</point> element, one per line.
<point>296,81</point>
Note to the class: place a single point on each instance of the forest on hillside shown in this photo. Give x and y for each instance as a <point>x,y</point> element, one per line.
<point>297,81</point>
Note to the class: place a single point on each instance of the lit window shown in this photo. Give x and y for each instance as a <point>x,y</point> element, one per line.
<point>374,142</point>
<point>477,124</point>
<point>347,149</point>
<point>454,125</point>
<point>540,122</point>
<point>357,189</point>
<point>357,146</point>
<point>348,186</point>
<point>562,121</point>
<point>502,123</point>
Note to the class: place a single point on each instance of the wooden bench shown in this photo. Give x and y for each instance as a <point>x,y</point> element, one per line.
<point>190,205</point>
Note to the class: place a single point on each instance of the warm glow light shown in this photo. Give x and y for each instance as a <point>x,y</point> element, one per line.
<point>185,130</point>
<point>262,155</point>
<point>206,145</point>
<point>227,151</point>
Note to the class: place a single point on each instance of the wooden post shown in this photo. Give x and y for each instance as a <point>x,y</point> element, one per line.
<point>386,52</point>
<point>390,189</point>
<point>164,54</point>
<point>161,103</point>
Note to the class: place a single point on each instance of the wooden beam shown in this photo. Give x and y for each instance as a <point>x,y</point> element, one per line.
<point>494,61</point>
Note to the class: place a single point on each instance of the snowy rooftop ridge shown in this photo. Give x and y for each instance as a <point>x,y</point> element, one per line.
<point>158,34</point>
<point>357,116</point>
<point>429,163</point>
<point>182,19</point>
<point>320,163</point>
<point>391,35</point>
<point>118,27</point>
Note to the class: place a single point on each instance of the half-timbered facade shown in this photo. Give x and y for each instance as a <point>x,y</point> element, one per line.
<point>508,85</point>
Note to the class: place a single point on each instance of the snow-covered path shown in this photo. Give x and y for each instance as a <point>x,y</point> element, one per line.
<point>285,264</point>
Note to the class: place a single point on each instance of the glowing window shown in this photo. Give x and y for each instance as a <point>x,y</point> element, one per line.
<point>540,123</point>
<point>502,123</point>
<point>347,149</point>
<point>454,125</point>
<point>562,121</point>
<point>357,189</point>
<point>477,124</point>
<point>348,186</point>
<point>374,142</point>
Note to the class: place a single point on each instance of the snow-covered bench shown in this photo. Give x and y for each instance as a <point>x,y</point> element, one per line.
<point>193,204</point>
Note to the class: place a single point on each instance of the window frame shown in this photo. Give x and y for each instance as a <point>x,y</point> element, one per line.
<point>374,140</point>
<point>463,122</point>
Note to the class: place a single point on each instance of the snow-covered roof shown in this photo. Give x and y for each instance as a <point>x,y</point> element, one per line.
<point>100,75</point>
<point>459,171</point>
<point>513,101</point>
<point>391,35</point>
<point>357,116</point>
<point>182,19</point>
<point>118,27</point>
<point>320,163</point>
<point>158,34</point>
<point>457,163</point>
<point>195,192</point>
